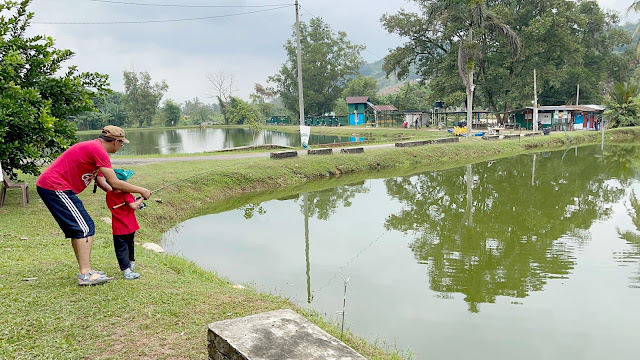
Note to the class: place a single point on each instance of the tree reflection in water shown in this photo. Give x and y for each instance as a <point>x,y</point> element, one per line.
<point>504,227</point>
<point>633,238</point>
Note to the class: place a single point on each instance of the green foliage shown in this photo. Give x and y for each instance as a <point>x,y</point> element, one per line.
<point>412,96</point>
<point>341,108</point>
<point>197,112</point>
<point>241,112</point>
<point>37,97</point>
<point>142,98</point>
<point>263,99</point>
<point>623,105</point>
<point>328,61</point>
<point>171,113</point>
<point>110,110</point>
<point>567,42</point>
<point>362,86</point>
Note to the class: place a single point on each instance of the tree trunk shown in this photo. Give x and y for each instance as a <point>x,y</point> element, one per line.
<point>223,110</point>
<point>470,88</point>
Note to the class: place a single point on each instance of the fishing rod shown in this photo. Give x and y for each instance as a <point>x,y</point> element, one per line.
<point>143,205</point>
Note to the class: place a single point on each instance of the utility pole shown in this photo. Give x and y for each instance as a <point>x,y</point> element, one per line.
<point>578,95</point>
<point>300,99</point>
<point>470,88</point>
<point>535,102</point>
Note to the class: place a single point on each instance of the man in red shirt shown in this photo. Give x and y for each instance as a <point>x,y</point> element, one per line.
<point>68,176</point>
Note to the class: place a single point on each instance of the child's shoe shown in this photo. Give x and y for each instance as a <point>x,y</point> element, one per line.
<point>130,275</point>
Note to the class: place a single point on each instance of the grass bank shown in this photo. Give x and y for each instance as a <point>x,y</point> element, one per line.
<point>165,313</point>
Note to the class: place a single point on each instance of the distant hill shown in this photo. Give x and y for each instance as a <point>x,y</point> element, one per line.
<point>385,85</point>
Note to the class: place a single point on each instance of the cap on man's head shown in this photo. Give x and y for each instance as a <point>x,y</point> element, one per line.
<point>114,132</point>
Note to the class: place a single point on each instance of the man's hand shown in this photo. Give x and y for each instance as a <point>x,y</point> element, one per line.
<point>146,194</point>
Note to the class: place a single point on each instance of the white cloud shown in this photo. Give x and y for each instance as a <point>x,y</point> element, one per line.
<point>182,53</point>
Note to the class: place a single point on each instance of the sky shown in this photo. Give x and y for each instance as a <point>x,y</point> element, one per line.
<point>245,40</point>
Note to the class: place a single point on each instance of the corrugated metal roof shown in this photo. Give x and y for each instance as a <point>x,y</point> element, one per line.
<point>357,99</point>
<point>384,108</point>
<point>585,108</point>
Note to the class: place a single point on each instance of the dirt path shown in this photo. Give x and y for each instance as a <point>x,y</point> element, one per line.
<point>137,161</point>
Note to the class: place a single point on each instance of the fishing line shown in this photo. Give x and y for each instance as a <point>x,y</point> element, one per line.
<point>348,263</point>
<point>173,183</point>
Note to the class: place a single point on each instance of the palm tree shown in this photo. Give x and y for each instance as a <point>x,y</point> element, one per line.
<point>622,104</point>
<point>464,20</point>
<point>635,6</point>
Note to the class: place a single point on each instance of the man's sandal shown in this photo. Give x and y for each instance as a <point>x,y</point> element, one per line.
<point>85,279</point>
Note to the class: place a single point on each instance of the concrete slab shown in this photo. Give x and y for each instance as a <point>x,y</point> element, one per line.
<point>491,137</point>
<point>283,154</point>
<point>274,335</point>
<point>325,151</point>
<point>358,150</point>
<point>511,136</point>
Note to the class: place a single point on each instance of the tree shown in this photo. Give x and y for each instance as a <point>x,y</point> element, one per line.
<point>328,61</point>
<point>468,27</point>
<point>635,6</point>
<point>142,98</point>
<point>109,110</point>
<point>362,86</point>
<point>241,112</point>
<point>223,87</point>
<point>414,95</point>
<point>171,113</point>
<point>623,105</point>
<point>568,42</point>
<point>37,97</point>
<point>197,112</point>
<point>263,99</point>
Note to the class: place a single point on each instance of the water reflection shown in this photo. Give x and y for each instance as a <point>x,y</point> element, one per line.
<point>504,255</point>
<point>531,216</point>
<point>186,141</point>
<point>631,256</point>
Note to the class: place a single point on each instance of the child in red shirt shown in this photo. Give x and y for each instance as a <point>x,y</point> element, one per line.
<point>124,225</point>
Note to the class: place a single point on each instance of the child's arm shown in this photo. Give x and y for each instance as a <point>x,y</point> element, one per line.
<point>135,204</point>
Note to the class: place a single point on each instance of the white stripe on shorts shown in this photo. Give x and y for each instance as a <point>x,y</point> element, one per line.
<point>74,211</point>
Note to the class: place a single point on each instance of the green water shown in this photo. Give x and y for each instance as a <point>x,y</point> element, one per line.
<point>193,140</point>
<point>529,257</point>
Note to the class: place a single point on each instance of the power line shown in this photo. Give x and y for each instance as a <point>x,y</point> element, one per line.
<point>157,21</point>
<point>185,5</point>
<point>308,12</point>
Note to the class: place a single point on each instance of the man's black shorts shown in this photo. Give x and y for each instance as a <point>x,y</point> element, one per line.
<point>69,212</point>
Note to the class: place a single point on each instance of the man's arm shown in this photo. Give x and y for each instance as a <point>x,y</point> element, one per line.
<point>118,184</point>
<point>103,184</point>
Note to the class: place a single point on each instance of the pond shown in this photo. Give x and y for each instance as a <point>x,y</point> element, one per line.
<point>529,257</point>
<point>194,140</point>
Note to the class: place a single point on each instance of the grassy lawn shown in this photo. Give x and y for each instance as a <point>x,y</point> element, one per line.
<point>165,313</point>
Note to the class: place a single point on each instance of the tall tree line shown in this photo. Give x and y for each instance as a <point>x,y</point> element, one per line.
<point>567,42</point>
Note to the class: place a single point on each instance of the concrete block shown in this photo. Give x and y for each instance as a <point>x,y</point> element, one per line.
<point>358,150</point>
<point>511,136</point>
<point>414,143</point>
<point>427,142</point>
<point>491,137</point>
<point>283,154</point>
<point>446,140</point>
<point>274,335</point>
<point>324,151</point>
